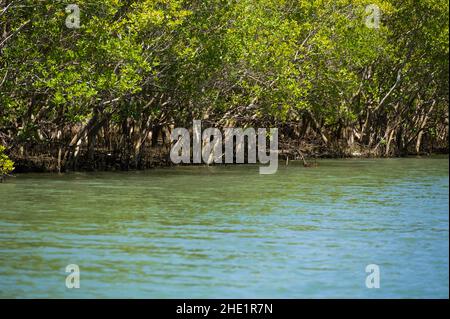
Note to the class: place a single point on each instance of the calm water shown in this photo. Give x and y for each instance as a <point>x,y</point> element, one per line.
<point>199,232</point>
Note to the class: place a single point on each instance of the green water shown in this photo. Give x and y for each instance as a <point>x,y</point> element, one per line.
<point>228,232</point>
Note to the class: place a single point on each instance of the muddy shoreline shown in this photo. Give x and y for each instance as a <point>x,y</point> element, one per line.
<point>158,157</point>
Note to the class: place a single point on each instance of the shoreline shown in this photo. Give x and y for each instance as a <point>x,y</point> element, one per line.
<point>282,161</point>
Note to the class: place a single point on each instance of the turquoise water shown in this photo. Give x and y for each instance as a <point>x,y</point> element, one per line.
<point>228,232</point>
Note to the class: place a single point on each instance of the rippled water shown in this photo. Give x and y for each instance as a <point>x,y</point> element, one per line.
<point>216,232</point>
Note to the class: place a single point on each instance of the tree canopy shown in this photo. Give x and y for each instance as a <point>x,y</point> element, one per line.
<point>315,68</point>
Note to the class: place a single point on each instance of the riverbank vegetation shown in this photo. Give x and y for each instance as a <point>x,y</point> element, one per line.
<point>107,94</point>
<point>6,165</point>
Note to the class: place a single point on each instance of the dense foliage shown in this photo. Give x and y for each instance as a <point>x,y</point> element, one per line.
<point>112,89</point>
<point>6,165</point>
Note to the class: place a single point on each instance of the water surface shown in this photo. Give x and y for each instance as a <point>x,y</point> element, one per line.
<point>228,232</point>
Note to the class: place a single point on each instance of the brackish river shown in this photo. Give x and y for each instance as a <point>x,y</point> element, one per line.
<point>216,232</point>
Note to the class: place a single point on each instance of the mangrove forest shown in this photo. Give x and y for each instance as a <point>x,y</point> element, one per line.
<point>101,84</point>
